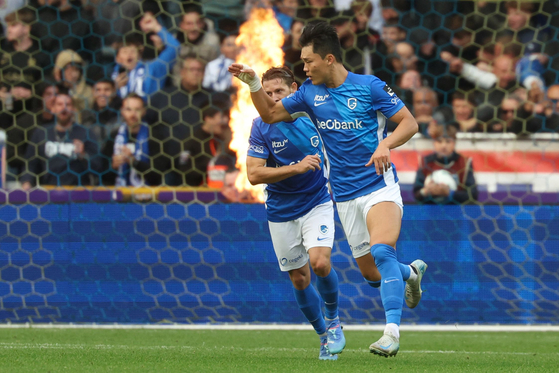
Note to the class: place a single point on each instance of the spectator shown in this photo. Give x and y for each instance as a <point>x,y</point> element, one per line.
<point>132,75</point>
<point>64,153</point>
<point>404,57</point>
<point>197,35</point>
<point>410,80</point>
<point>69,71</point>
<point>292,52</point>
<point>546,112</point>
<point>133,154</point>
<point>381,64</point>
<point>46,113</point>
<point>65,24</point>
<point>207,147</point>
<point>8,7</point>
<point>353,57</point>
<point>425,101</point>
<point>216,75</point>
<point>315,10</point>
<point>285,11</point>
<point>463,106</point>
<point>519,29</point>
<point>180,103</point>
<point>21,64</point>
<point>369,20</point>
<point>511,118</point>
<point>104,115</point>
<point>445,158</point>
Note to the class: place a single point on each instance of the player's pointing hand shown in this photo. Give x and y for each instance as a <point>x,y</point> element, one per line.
<point>246,74</point>
<point>381,159</point>
<point>309,163</point>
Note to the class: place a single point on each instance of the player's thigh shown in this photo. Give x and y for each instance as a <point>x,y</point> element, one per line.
<point>383,213</point>
<point>288,245</point>
<point>384,221</point>
<point>355,227</point>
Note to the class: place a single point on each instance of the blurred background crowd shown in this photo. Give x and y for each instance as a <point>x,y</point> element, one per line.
<point>132,93</point>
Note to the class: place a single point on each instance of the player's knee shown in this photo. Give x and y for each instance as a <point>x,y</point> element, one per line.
<point>321,266</point>
<point>300,281</point>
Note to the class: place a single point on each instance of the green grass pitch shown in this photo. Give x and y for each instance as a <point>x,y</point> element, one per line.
<point>93,350</point>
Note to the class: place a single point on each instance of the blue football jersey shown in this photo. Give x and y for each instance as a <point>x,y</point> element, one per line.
<point>283,144</point>
<point>351,119</point>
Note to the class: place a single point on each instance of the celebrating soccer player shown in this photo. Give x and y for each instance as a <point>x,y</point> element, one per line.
<point>289,158</point>
<point>350,110</point>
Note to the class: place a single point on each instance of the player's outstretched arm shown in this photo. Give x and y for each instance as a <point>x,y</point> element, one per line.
<point>407,127</point>
<point>269,110</point>
<point>258,173</point>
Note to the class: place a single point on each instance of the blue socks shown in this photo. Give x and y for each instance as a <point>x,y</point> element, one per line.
<point>392,289</point>
<point>309,302</point>
<point>374,284</point>
<point>328,288</point>
<point>405,270</point>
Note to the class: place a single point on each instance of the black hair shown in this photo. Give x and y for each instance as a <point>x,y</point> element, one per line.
<point>106,80</point>
<point>192,8</point>
<point>323,38</point>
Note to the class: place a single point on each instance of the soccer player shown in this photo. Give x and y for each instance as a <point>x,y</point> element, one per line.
<point>350,111</point>
<point>288,157</point>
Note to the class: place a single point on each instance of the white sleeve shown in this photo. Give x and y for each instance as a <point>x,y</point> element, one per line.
<point>482,79</point>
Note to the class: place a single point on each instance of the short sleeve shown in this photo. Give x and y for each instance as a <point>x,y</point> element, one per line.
<point>256,145</point>
<point>384,98</point>
<point>295,103</point>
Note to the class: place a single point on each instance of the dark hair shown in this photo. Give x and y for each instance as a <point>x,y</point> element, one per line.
<point>107,81</point>
<point>192,8</point>
<point>134,40</point>
<point>323,38</point>
<point>63,91</point>
<point>463,96</point>
<point>25,16</point>
<point>213,110</point>
<point>224,35</point>
<point>282,72</point>
<point>135,96</point>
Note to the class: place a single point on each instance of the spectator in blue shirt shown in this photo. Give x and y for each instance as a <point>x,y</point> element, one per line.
<point>131,74</point>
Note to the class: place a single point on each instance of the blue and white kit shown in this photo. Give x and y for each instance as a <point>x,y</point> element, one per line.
<point>351,120</point>
<point>299,208</point>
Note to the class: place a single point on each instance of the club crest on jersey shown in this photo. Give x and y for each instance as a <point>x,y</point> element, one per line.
<point>352,103</point>
<point>324,229</point>
<point>314,141</point>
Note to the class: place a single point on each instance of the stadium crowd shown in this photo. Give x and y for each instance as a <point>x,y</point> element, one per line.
<point>129,92</point>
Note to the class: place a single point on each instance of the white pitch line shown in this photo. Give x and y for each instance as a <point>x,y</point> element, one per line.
<point>349,327</point>
<point>70,346</point>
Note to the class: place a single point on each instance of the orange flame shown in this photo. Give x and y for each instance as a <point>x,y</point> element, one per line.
<point>260,39</point>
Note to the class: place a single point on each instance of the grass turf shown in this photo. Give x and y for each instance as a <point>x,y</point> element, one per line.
<point>87,350</point>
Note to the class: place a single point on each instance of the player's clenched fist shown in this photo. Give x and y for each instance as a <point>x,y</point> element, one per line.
<point>381,159</point>
<point>246,74</point>
<point>309,163</point>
